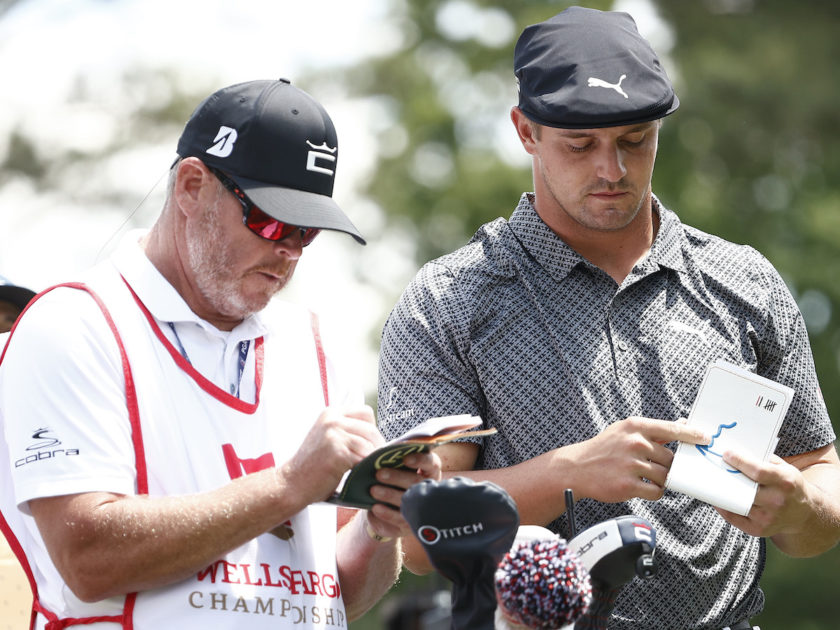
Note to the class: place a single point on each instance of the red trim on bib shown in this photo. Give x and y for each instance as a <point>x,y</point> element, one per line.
<point>322,359</point>
<point>204,383</point>
<point>125,619</point>
<point>14,545</point>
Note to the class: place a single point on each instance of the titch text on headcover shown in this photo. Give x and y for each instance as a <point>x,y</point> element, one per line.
<point>742,412</point>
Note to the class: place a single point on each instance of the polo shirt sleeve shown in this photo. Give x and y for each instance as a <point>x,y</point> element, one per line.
<point>786,358</point>
<point>424,370</point>
<point>63,401</point>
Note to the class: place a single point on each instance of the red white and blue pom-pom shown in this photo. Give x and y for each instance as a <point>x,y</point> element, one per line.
<point>542,584</point>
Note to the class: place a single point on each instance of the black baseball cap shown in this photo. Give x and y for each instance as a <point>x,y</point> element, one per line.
<point>19,296</point>
<point>278,144</point>
<point>586,69</point>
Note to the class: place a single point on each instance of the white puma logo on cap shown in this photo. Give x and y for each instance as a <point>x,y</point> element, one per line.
<point>593,82</point>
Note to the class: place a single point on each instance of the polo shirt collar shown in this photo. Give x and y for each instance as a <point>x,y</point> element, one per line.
<point>669,244</point>
<point>548,249</point>
<point>555,256</point>
<point>161,298</point>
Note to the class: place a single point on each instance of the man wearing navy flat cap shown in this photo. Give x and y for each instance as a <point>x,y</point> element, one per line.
<point>581,329</point>
<point>169,435</point>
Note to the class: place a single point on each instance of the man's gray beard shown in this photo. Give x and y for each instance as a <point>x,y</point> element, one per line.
<point>210,260</point>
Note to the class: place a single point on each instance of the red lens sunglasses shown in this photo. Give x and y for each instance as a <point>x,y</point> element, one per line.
<point>259,222</point>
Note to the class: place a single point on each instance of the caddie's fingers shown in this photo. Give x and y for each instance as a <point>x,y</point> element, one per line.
<point>678,421</point>
<point>358,423</point>
<point>399,477</point>
<point>387,494</point>
<point>362,412</point>
<point>387,521</point>
<point>355,447</point>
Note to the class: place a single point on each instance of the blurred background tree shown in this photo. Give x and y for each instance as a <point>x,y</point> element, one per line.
<point>753,154</point>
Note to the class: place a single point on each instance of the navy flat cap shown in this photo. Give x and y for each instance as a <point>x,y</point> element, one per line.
<point>585,69</point>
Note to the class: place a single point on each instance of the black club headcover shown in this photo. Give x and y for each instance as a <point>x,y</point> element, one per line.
<point>615,552</point>
<point>466,527</point>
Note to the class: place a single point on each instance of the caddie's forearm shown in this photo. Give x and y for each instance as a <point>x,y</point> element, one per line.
<point>367,568</point>
<point>105,545</point>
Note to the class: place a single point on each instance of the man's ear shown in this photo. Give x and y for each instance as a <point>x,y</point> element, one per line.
<point>192,185</point>
<point>525,129</point>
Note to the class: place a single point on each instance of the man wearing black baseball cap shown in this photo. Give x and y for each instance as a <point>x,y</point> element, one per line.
<point>172,434</point>
<point>581,329</point>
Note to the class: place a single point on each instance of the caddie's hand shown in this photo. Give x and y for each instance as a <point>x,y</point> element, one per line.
<point>385,516</point>
<point>628,459</point>
<point>338,440</point>
<point>781,504</point>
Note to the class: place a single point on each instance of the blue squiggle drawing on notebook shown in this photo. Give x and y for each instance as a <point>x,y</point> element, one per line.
<point>706,451</point>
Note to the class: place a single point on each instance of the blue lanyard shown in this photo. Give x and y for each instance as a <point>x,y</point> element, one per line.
<point>244,346</point>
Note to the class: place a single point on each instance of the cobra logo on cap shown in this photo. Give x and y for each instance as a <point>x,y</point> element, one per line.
<point>320,152</point>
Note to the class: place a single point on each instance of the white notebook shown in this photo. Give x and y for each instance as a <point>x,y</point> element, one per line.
<point>742,412</point>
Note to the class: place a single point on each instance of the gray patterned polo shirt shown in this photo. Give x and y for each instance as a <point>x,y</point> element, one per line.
<point>518,328</point>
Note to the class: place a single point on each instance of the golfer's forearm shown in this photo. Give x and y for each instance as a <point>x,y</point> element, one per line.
<point>536,485</point>
<point>821,530</point>
<point>822,534</point>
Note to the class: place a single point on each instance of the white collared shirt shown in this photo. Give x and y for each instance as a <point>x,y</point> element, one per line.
<point>213,352</point>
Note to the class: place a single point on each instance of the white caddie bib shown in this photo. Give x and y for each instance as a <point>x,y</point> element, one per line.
<point>191,436</point>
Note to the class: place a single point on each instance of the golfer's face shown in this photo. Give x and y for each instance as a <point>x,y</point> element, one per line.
<point>596,179</point>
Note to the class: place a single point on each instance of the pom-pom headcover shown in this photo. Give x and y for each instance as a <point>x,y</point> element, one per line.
<point>542,584</point>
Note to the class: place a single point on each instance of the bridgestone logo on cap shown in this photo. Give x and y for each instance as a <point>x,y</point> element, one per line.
<point>224,142</point>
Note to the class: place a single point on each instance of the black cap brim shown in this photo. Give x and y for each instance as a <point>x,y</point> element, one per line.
<point>586,69</point>
<point>566,116</point>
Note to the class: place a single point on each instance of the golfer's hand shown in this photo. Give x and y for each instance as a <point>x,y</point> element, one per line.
<point>781,502</point>
<point>629,459</point>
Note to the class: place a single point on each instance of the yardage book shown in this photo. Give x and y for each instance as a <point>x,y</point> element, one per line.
<point>742,412</point>
<point>354,489</point>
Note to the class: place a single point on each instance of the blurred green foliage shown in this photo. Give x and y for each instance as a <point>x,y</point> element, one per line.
<point>753,155</point>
